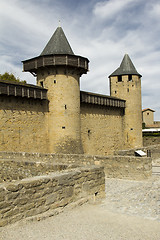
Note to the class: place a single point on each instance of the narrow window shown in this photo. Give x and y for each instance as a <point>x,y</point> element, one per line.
<point>130,77</point>
<point>65,106</point>
<point>147,113</point>
<point>119,78</point>
<point>89,133</point>
<point>127,89</point>
<point>54,81</point>
<point>41,83</point>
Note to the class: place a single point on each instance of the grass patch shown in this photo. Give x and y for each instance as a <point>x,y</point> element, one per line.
<point>155,134</point>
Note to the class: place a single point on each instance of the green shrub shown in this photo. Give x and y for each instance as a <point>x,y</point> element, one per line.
<point>10,77</point>
<point>151,134</point>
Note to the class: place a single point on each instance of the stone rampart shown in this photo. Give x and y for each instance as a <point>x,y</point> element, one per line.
<point>23,125</point>
<point>45,194</point>
<point>102,128</point>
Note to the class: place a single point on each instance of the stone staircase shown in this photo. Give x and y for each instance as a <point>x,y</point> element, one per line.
<point>156,167</point>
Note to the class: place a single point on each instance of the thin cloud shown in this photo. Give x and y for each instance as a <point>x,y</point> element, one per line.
<point>108,9</point>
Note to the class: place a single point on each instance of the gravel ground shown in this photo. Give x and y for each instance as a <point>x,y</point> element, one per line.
<point>130,211</point>
<point>141,198</point>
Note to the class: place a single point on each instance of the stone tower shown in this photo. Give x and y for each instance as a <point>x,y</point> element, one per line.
<point>125,83</point>
<point>59,70</point>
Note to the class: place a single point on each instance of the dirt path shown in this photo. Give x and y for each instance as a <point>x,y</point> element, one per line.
<point>88,222</point>
<point>131,211</point>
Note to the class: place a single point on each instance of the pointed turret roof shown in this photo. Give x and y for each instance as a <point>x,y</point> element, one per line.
<point>125,68</point>
<point>58,44</point>
<point>57,53</point>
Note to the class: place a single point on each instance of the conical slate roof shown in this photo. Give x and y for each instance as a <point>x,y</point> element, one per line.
<point>125,68</point>
<point>58,44</point>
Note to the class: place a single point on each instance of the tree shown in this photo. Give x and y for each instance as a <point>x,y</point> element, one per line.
<point>10,77</point>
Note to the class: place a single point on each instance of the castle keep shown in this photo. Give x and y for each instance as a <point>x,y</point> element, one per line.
<point>56,117</point>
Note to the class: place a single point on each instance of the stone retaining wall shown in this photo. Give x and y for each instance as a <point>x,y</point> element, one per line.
<point>150,140</point>
<point>153,151</point>
<point>43,194</point>
<point>128,167</point>
<point>19,169</point>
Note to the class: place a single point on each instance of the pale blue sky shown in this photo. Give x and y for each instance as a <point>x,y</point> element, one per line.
<point>102,31</point>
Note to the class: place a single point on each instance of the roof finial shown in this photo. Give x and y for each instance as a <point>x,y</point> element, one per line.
<point>59,23</point>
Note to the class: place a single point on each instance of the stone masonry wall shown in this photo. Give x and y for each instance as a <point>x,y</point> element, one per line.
<point>150,140</point>
<point>130,90</point>
<point>126,167</point>
<point>64,109</point>
<point>152,151</point>
<point>19,169</point>
<point>43,194</point>
<point>101,129</point>
<point>23,125</point>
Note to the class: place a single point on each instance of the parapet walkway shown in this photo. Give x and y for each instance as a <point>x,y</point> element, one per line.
<point>131,211</point>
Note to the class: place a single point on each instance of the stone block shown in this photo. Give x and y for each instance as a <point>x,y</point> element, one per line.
<point>2,197</point>
<point>4,210</point>
<point>36,211</point>
<point>11,213</point>
<point>30,191</point>
<point>4,205</point>
<point>21,201</point>
<point>15,218</point>
<point>37,195</point>
<point>12,195</point>
<point>31,184</point>
<point>65,179</point>
<point>40,202</point>
<point>48,191</point>
<point>51,199</point>
<point>3,222</point>
<point>13,187</point>
<point>26,207</point>
<point>68,191</point>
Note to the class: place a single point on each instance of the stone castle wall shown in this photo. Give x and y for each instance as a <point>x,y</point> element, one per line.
<point>23,125</point>
<point>27,125</point>
<point>59,120</point>
<point>102,129</point>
